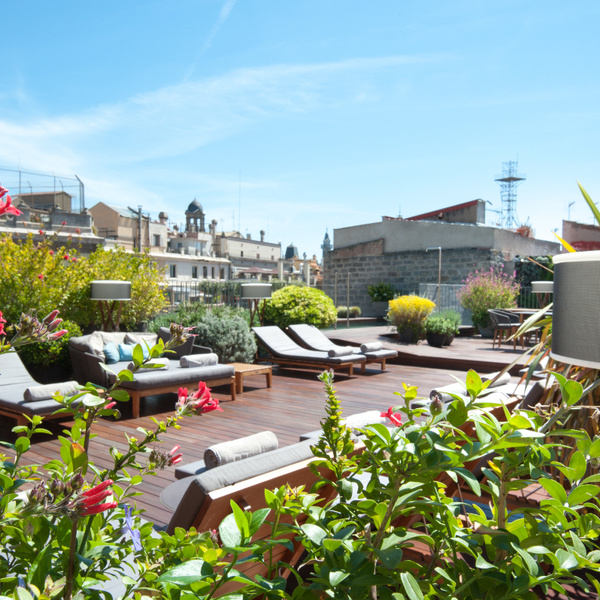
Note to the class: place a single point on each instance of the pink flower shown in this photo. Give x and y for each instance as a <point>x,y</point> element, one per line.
<point>395,418</point>
<point>175,458</point>
<point>91,501</point>
<point>56,335</point>
<point>78,231</point>
<point>7,207</point>
<point>2,321</point>
<point>63,223</point>
<point>110,405</point>
<point>74,259</point>
<point>41,232</point>
<point>41,276</point>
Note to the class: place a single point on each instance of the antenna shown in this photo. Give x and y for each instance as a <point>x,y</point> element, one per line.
<point>509,180</point>
<point>239,199</point>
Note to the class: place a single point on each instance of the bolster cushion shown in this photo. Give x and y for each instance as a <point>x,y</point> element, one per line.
<point>340,351</point>
<point>46,392</point>
<point>162,364</point>
<point>199,360</point>
<point>228,452</point>
<point>371,347</point>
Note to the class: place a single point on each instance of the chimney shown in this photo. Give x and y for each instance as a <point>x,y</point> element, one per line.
<point>248,236</point>
<point>262,235</point>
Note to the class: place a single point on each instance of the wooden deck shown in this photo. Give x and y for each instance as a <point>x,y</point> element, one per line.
<point>294,405</point>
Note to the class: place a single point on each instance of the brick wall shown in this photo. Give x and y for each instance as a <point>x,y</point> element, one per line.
<point>368,264</point>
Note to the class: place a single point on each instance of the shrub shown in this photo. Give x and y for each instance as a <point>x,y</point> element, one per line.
<point>228,335</point>
<point>355,311</point>
<point>484,290</point>
<point>381,292</point>
<point>37,276</point>
<point>409,313</point>
<point>445,322</point>
<point>342,312</point>
<point>187,314</point>
<point>48,354</point>
<point>294,304</point>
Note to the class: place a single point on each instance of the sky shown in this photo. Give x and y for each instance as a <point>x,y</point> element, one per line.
<point>300,117</point>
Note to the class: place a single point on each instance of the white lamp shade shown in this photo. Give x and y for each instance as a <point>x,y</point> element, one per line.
<point>110,290</point>
<point>576,309</point>
<point>542,287</point>
<point>256,291</point>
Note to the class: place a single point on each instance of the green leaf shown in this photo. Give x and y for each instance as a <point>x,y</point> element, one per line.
<point>473,384</point>
<point>554,489</point>
<point>519,422</point>
<point>528,560</point>
<point>571,390</point>
<point>241,520</point>
<point>258,518</point>
<point>458,413</point>
<point>125,375</point>
<point>186,573</point>
<point>566,560</point>
<point>594,450</point>
<point>314,533</point>
<point>138,355</point>
<point>578,466</point>
<point>336,577</point>
<point>582,493</point>
<point>120,395</point>
<point>413,591</point>
<point>590,203</point>
<point>91,400</point>
<point>229,532</point>
<point>22,444</point>
<point>481,563</point>
<point>470,479</point>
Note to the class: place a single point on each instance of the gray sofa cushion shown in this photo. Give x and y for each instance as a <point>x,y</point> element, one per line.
<point>240,449</point>
<point>175,375</point>
<point>193,494</point>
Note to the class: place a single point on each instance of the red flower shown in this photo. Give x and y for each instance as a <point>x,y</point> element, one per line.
<point>66,257</point>
<point>2,321</point>
<point>78,230</point>
<point>41,232</point>
<point>41,276</point>
<point>175,458</point>
<point>51,252</point>
<point>63,223</point>
<point>6,207</point>
<point>202,402</point>
<point>182,396</point>
<point>395,418</point>
<point>110,405</point>
<point>91,501</point>
<point>74,259</point>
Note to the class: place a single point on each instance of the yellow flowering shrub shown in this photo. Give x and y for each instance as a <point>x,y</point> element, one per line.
<point>409,312</point>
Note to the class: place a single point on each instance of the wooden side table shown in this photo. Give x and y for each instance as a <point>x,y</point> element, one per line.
<point>246,370</point>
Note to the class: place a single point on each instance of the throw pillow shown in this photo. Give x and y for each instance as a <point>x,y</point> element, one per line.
<point>111,353</point>
<point>125,352</point>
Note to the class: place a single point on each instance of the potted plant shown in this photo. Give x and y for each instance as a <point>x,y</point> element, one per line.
<point>484,290</point>
<point>381,293</point>
<point>407,314</point>
<point>441,327</point>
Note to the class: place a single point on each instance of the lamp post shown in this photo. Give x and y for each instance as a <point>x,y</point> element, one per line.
<point>254,293</point>
<point>439,294</point>
<point>110,294</point>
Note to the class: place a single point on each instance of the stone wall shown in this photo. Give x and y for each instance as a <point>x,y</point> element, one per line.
<point>368,264</point>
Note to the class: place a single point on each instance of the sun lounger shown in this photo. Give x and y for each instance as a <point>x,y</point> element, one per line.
<point>314,339</point>
<point>285,352</point>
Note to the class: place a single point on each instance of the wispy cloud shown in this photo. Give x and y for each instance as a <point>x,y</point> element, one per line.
<point>178,119</point>
<point>223,16</point>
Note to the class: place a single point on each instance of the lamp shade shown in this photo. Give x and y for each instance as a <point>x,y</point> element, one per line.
<point>256,291</point>
<point>110,290</point>
<point>576,309</point>
<point>542,287</point>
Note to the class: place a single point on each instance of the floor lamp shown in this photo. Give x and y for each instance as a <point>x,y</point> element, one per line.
<point>254,293</point>
<point>110,295</point>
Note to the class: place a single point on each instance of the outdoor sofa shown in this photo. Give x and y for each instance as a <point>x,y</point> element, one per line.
<point>21,395</point>
<point>286,352</point>
<point>312,338</point>
<point>90,352</point>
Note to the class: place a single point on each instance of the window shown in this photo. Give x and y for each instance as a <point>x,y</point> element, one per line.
<point>156,240</point>
<point>242,253</point>
<point>194,272</point>
<point>173,271</point>
<point>222,273</point>
<point>212,272</point>
<point>258,255</point>
<point>204,272</point>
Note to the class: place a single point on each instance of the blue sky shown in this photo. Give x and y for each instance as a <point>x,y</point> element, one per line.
<point>300,116</point>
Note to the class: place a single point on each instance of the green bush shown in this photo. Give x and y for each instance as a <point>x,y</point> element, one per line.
<point>355,311</point>
<point>49,354</point>
<point>294,304</point>
<point>37,275</point>
<point>381,292</point>
<point>228,335</point>
<point>445,322</point>
<point>187,314</point>
<point>409,313</point>
<point>342,312</point>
